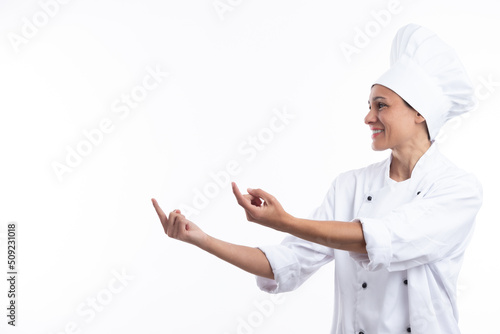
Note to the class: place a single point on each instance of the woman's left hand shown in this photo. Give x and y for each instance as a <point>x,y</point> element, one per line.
<point>262,208</point>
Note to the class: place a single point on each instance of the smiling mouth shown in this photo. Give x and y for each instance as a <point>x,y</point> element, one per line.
<point>375,133</point>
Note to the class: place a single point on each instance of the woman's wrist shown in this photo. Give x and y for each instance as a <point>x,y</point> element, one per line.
<point>286,223</point>
<point>204,242</point>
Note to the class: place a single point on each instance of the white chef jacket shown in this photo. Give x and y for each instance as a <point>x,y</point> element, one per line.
<point>416,232</point>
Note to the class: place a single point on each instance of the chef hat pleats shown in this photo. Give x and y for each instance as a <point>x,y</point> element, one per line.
<point>428,74</point>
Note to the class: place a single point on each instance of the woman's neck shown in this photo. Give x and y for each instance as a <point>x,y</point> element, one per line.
<point>405,158</point>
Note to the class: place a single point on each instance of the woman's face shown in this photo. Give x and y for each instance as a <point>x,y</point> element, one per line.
<point>393,123</point>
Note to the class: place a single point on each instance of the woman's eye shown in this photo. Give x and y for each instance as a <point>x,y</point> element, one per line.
<point>381,105</point>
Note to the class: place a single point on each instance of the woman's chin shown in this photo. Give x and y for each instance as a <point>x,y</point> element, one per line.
<point>378,147</point>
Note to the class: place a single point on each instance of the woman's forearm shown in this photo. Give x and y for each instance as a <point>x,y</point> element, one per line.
<point>252,260</point>
<point>335,234</point>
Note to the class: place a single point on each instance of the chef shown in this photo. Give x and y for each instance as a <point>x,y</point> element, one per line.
<point>397,229</point>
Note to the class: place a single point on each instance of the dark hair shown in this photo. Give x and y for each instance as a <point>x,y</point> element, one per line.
<point>407,104</point>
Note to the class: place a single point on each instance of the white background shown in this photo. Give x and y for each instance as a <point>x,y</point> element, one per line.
<point>227,73</point>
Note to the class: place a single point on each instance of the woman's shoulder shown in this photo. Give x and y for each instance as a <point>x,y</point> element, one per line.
<point>443,171</point>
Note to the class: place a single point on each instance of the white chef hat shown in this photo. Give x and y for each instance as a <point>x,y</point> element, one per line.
<point>426,73</point>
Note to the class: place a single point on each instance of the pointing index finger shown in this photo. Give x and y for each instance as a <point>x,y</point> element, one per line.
<point>159,211</point>
<point>244,203</point>
<point>237,192</point>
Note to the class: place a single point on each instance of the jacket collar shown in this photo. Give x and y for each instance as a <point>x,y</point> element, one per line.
<point>422,167</point>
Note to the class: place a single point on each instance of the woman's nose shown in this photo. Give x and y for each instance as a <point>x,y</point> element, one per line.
<point>371,117</point>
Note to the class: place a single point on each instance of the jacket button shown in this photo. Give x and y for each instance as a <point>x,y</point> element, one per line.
<point>418,193</point>
<point>369,198</point>
<point>408,330</point>
<point>405,282</point>
<point>364,285</point>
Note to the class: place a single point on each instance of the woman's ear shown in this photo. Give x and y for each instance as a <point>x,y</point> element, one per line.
<point>419,118</point>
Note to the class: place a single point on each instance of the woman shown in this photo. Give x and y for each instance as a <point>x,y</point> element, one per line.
<point>396,229</point>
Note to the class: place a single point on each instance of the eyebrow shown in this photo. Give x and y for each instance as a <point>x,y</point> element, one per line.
<point>377,98</point>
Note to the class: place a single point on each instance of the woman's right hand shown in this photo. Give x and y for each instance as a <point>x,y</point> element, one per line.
<point>177,226</point>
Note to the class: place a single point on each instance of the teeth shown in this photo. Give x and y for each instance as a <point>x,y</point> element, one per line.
<point>377,131</point>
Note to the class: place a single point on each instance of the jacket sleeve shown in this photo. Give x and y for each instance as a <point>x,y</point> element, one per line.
<point>428,229</point>
<point>295,260</point>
